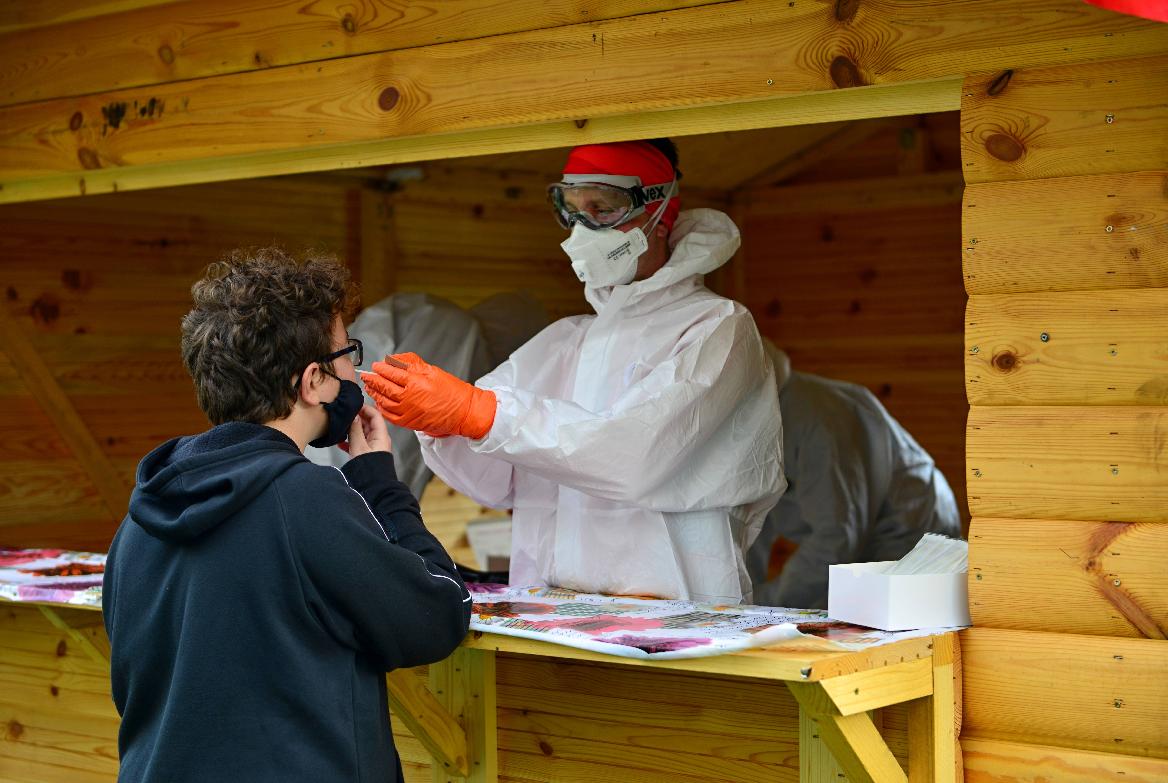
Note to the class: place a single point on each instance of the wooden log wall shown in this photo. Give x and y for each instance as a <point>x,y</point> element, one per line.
<point>95,290</point>
<point>1065,248</point>
<point>858,277</point>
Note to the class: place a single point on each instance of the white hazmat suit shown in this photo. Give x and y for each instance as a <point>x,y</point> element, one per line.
<point>639,448</point>
<point>861,488</point>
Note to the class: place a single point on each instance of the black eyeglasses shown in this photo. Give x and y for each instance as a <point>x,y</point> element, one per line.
<point>353,346</point>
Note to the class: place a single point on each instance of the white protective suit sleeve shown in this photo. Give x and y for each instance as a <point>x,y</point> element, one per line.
<point>663,444</point>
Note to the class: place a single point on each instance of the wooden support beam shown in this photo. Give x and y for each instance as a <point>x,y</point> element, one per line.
<point>854,740</point>
<point>817,764</point>
<point>56,404</point>
<point>430,723</point>
<point>424,91</point>
<point>464,684</point>
<point>934,722</point>
<point>156,42</point>
<point>878,101</point>
<point>870,690</point>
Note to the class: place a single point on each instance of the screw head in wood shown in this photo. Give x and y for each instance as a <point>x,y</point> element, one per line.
<point>1109,229</point>
<point>974,349</point>
<point>1110,118</point>
<point>1044,337</point>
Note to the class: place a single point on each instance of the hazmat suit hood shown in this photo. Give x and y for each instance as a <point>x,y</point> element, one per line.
<point>189,485</point>
<point>701,241</point>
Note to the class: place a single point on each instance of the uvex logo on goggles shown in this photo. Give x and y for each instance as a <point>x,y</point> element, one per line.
<point>603,200</point>
<point>651,193</point>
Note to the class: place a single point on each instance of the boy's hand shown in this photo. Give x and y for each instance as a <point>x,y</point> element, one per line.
<point>368,433</point>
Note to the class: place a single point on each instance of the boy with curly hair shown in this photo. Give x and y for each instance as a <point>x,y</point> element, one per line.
<point>253,600</point>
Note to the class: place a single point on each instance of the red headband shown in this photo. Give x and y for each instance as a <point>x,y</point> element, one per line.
<point>628,158</point>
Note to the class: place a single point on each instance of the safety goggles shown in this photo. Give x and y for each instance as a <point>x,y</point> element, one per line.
<point>603,200</point>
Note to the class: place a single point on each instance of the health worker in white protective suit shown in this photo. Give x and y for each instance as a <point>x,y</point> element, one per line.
<point>639,448</point>
<point>466,343</point>
<point>860,489</point>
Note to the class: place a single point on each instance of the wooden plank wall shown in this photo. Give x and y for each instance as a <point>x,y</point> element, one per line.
<point>854,270</point>
<point>97,289</point>
<point>1065,248</point>
<point>559,721</point>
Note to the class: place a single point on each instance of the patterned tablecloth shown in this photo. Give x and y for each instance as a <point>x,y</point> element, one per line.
<point>661,629</point>
<point>618,625</point>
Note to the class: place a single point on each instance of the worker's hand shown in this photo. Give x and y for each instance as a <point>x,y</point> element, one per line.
<point>414,394</point>
<point>368,433</point>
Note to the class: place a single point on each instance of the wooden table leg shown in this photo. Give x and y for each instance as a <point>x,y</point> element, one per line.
<point>816,762</point>
<point>934,722</point>
<point>853,739</point>
<point>464,684</point>
<point>414,705</point>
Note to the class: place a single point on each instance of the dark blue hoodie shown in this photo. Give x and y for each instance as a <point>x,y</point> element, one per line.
<point>254,602</point>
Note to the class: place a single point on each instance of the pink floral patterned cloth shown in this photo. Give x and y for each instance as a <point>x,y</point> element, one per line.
<point>661,629</point>
<point>53,576</point>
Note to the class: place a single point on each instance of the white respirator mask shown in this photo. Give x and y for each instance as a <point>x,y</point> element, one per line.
<point>604,257</point>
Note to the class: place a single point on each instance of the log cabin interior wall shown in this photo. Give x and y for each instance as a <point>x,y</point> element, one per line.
<point>1067,666</point>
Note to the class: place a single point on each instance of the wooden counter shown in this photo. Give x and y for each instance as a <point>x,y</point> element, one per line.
<point>713,717</point>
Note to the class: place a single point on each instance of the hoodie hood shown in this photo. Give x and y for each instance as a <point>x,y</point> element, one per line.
<point>701,241</point>
<point>190,485</point>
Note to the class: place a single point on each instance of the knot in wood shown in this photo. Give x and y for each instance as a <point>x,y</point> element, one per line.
<point>845,10</point>
<point>845,73</point>
<point>388,98</point>
<point>45,310</point>
<point>75,121</point>
<point>999,83</point>
<point>1004,148</point>
<point>166,54</point>
<point>1006,361</point>
<point>15,729</point>
<point>349,23</point>
<point>88,158</point>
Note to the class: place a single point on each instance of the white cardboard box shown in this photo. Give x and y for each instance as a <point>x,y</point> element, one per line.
<point>863,594</point>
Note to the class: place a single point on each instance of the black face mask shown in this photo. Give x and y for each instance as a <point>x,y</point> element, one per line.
<point>341,413</point>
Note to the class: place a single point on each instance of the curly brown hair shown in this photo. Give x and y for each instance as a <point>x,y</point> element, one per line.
<point>259,318</point>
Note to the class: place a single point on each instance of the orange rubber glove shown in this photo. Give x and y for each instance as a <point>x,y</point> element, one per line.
<point>422,397</point>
